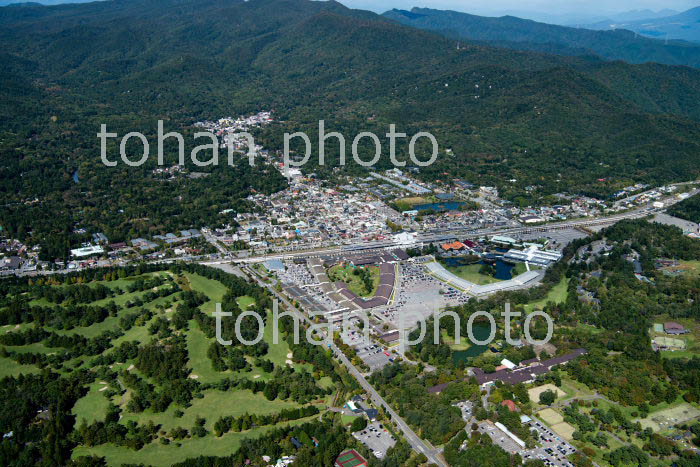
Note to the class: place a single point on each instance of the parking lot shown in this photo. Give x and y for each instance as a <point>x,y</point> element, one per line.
<point>558,238</point>
<point>467,409</point>
<point>374,355</point>
<point>499,437</point>
<point>376,438</point>
<point>554,450</point>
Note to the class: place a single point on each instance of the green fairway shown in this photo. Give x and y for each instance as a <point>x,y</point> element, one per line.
<point>214,290</point>
<point>245,301</point>
<point>9,367</point>
<point>158,454</point>
<point>212,406</point>
<point>197,347</point>
<point>92,406</point>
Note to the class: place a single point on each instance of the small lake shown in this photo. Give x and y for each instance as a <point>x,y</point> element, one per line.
<point>439,207</point>
<point>76,179</point>
<point>481,332</point>
<point>504,270</point>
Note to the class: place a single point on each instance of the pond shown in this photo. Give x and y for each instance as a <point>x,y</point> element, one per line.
<point>504,270</point>
<point>439,207</point>
<point>76,179</point>
<point>481,332</point>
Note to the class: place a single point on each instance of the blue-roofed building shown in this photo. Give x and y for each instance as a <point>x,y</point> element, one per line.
<point>274,265</point>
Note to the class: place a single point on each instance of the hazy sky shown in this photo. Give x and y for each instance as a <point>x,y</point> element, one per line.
<point>553,7</point>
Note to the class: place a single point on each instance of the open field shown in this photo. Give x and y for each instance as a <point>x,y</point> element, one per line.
<point>471,273</point>
<point>564,430</point>
<point>689,268</point>
<point>550,416</point>
<point>93,406</point>
<point>558,294</point>
<point>534,393</point>
<point>214,290</point>
<point>664,419</point>
<point>346,273</point>
<point>9,367</point>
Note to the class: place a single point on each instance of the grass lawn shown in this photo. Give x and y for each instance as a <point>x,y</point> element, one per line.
<point>277,353</point>
<point>213,405</point>
<point>343,273</point>
<point>447,339</point>
<point>348,419</point>
<point>112,322</point>
<point>214,290</point>
<point>687,268</point>
<point>197,346</point>
<point>471,273</point>
<point>558,294</point>
<point>9,367</point>
<point>92,406</point>
<point>245,301</point>
<point>37,347</point>
<point>158,454</point>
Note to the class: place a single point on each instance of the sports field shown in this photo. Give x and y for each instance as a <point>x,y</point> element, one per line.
<point>534,393</point>
<point>550,416</point>
<point>564,430</point>
<point>666,418</point>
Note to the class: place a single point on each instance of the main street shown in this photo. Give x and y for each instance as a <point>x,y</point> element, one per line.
<point>413,439</point>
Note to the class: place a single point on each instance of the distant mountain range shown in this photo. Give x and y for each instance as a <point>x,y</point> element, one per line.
<point>685,26</point>
<point>42,2</point>
<point>577,18</point>
<point>521,34</point>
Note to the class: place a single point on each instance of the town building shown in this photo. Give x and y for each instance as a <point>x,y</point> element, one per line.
<point>671,327</point>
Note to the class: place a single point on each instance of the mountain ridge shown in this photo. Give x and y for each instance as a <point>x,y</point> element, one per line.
<point>559,122</point>
<point>523,34</point>
<point>684,26</point>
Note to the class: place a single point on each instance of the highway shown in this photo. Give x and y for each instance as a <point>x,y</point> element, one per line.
<point>413,439</point>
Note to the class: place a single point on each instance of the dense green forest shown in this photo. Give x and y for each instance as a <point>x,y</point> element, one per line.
<point>688,209</point>
<point>564,123</point>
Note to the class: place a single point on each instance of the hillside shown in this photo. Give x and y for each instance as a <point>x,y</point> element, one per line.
<point>560,122</point>
<point>685,25</point>
<point>522,34</point>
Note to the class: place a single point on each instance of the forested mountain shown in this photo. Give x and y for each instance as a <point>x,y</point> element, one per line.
<point>523,34</point>
<point>559,122</point>
<point>683,25</point>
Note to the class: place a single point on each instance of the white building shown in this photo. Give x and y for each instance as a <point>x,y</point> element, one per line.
<point>87,251</point>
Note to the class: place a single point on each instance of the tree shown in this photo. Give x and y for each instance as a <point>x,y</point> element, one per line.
<point>548,397</point>
<point>359,424</point>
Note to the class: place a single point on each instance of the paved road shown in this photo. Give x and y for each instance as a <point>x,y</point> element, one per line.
<point>426,236</point>
<point>413,439</point>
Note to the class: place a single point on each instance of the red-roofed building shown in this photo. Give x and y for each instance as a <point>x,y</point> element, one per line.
<point>510,404</point>
<point>453,246</point>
